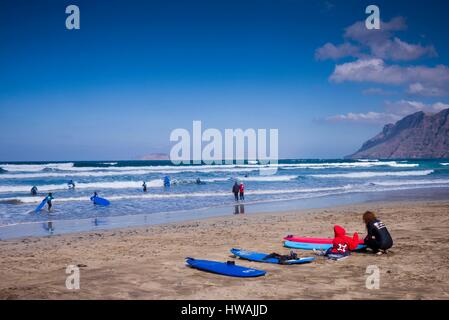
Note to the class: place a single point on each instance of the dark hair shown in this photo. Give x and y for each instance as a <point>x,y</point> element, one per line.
<point>369,216</point>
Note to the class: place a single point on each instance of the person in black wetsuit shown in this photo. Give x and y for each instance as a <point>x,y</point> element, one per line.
<point>378,239</point>
<point>34,191</point>
<point>49,199</point>
<point>144,185</point>
<point>236,190</point>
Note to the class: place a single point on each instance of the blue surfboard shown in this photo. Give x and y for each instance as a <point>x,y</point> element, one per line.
<point>259,257</point>
<point>100,201</point>
<point>224,268</point>
<point>40,206</point>
<point>312,246</point>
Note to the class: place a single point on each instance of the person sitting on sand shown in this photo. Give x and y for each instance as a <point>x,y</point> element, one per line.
<point>378,239</point>
<point>34,191</point>
<point>236,190</point>
<point>49,198</point>
<point>144,185</point>
<point>342,244</point>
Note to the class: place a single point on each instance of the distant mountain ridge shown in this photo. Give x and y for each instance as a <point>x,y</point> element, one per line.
<point>418,136</point>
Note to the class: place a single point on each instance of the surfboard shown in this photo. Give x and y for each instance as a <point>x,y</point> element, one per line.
<point>312,246</point>
<point>313,240</point>
<point>259,257</point>
<point>224,268</point>
<point>100,201</point>
<point>40,206</point>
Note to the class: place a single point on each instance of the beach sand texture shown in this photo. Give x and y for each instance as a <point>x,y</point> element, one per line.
<point>148,262</point>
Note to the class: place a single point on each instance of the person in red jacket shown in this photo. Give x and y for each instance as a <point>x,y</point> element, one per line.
<point>242,191</point>
<point>342,244</point>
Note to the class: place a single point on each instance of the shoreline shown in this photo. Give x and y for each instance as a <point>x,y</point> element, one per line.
<point>148,262</point>
<point>52,227</point>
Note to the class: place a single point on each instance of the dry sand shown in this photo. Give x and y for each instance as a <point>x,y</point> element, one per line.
<point>148,262</point>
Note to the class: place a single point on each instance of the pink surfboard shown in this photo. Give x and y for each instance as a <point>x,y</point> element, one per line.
<point>313,240</point>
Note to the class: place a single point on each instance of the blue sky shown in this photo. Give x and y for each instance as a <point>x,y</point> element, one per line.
<point>136,70</point>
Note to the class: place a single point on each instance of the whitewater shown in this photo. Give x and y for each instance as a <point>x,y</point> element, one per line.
<point>121,183</point>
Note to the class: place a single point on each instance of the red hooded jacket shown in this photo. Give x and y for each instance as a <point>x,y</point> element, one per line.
<point>342,243</point>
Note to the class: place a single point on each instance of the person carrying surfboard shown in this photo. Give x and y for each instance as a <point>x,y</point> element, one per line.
<point>378,239</point>
<point>49,198</point>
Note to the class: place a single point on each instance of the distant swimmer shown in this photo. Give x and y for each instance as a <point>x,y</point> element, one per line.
<point>144,185</point>
<point>34,191</point>
<point>166,181</point>
<point>242,191</point>
<point>236,190</point>
<point>198,181</point>
<point>71,184</point>
<point>49,198</point>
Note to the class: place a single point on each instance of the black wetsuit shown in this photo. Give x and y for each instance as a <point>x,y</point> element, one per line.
<point>49,204</point>
<point>378,237</point>
<point>236,190</point>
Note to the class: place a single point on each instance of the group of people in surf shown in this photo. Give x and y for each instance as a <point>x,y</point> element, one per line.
<point>378,239</point>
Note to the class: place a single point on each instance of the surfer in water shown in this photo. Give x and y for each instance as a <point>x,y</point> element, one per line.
<point>71,184</point>
<point>166,181</point>
<point>378,239</point>
<point>49,199</point>
<point>34,191</point>
<point>236,190</point>
<point>144,185</point>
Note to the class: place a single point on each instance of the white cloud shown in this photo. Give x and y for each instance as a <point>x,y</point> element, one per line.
<point>378,91</point>
<point>375,44</point>
<point>330,51</point>
<point>394,111</point>
<point>369,117</point>
<point>405,107</point>
<point>376,53</point>
<point>376,71</point>
<point>419,89</point>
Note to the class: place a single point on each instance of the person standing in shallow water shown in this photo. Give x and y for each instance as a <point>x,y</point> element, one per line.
<point>49,199</point>
<point>236,190</point>
<point>144,185</point>
<point>242,191</point>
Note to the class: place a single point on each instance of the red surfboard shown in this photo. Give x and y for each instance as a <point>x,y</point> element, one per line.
<point>313,240</point>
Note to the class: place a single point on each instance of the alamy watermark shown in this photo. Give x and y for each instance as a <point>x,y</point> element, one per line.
<point>72,281</point>
<point>373,279</point>
<point>235,146</point>
<point>373,20</point>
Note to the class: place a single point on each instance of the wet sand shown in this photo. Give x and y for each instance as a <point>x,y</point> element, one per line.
<point>148,262</point>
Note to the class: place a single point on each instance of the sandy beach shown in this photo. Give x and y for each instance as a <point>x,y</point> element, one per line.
<point>148,262</point>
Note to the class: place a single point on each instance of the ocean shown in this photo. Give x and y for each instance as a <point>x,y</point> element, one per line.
<point>121,183</point>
